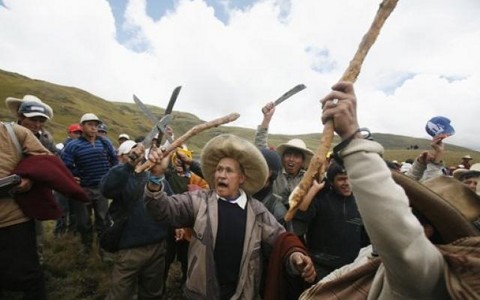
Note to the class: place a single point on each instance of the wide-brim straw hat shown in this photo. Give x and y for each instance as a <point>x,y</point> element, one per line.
<point>462,173</point>
<point>451,207</point>
<point>13,104</point>
<point>299,145</point>
<point>249,157</point>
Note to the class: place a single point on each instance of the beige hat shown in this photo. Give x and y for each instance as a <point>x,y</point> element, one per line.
<point>31,105</point>
<point>89,117</point>
<point>451,207</point>
<point>467,157</point>
<point>297,144</point>
<point>461,174</point>
<point>249,157</point>
<point>123,136</point>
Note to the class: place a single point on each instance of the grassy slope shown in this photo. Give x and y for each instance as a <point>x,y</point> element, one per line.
<point>70,103</point>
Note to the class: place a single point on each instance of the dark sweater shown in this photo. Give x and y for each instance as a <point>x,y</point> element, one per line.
<point>335,233</point>
<point>229,246</point>
<point>125,188</point>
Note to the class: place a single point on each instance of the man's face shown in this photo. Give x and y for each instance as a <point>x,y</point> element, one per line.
<point>90,129</point>
<point>292,161</point>
<point>35,124</point>
<point>74,134</point>
<point>341,184</point>
<point>228,178</point>
<point>471,183</point>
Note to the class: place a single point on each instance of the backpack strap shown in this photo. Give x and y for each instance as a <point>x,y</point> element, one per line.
<point>13,137</point>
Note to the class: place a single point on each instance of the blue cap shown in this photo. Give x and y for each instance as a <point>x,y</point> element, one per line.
<point>102,127</point>
<point>439,126</point>
<point>32,109</point>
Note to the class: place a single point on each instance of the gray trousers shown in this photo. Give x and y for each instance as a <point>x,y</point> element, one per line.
<point>83,215</point>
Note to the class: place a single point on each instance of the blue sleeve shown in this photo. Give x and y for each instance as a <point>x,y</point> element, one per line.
<point>123,185</point>
<point>68,158</point>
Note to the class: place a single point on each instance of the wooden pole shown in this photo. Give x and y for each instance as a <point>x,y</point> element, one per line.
<point>316,168</point>
<point>186,136</point>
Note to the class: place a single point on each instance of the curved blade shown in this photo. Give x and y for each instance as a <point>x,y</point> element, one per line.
<point>145,110</point>
<point>290,93</point>
<point>159,129</point>
<point>173,98</point>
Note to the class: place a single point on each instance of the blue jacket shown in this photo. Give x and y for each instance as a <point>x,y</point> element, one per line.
<point>89,161</point>
<point>125,188</point>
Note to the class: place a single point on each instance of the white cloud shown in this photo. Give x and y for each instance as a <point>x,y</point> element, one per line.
<point>423,63</point>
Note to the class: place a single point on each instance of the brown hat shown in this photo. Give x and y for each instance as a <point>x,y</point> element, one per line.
<point>249,157</point>
<point>451,207</point>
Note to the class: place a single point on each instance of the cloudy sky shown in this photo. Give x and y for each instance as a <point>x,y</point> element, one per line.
<point>236,55</point>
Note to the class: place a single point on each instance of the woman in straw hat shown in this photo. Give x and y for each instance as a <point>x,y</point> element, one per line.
<point>233,233</point>
<point>405,262</point>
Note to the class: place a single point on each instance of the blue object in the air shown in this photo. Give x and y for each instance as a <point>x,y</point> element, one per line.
<point>439,126</point>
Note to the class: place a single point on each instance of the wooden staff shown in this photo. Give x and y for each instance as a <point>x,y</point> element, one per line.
<point>186,136</point>
<point>316,168</point>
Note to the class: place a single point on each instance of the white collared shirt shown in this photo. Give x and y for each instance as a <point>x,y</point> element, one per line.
<point>241,200</point>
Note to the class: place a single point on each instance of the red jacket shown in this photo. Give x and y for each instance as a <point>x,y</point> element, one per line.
<point>48,173</point>
<point>279,285</point>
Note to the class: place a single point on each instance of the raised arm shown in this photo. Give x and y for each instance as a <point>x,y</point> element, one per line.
<point>413,265</point>
<point>261,135</point>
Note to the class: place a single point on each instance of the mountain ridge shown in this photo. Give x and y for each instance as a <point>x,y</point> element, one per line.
<point>70,103</point>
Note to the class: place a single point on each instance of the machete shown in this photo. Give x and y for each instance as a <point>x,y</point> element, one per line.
<point>145,110</point>
<point>159,127</point>
<point>287,95</point>
<point>152,117</point>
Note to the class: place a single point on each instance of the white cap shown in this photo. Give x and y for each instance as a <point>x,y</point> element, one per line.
<point>89,117</point>
<point>125,147</point>
<point>124,136</point>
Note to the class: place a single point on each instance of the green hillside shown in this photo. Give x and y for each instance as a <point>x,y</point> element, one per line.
<point>69,104</point>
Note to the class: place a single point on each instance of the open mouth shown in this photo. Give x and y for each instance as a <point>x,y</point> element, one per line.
<point>222,184</point>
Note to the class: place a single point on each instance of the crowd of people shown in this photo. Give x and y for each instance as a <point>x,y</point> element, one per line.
<point>372,229</point>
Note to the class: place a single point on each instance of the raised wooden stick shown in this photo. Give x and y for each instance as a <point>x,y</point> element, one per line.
<point>317,164</point>
<point>187,135</point>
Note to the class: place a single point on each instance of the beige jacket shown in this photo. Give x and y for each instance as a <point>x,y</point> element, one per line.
<point>199,210</point>
<point>412,266</point>
<point>10,212</point>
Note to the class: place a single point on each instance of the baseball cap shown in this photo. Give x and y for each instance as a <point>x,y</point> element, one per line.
<point>439,126</point>
<point>102,127</point>
<point>125,147</point>
<point>35,109</point>
<point>74,127</point>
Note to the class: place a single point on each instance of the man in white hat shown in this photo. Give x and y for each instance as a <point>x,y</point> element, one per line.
<point>89,158</point>
<point>20,268</point>
<point>466,161</point>
<point>233,233</point>
<point>469,177</point>
<point>122,138</point>
<point>33,114</point>
<point>295,159</point>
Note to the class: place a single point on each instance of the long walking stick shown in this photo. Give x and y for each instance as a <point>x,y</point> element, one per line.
<point>317,164</point>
